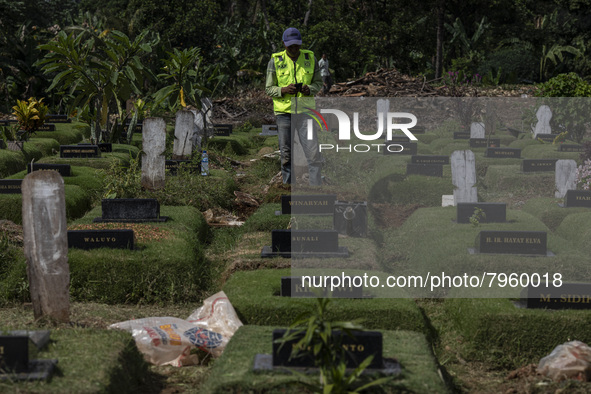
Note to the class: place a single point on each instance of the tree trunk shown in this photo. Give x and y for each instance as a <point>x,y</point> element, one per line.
<point>439,56</point>
<point>267,26</point>
<point>308,13</point>
<point>97,124</point>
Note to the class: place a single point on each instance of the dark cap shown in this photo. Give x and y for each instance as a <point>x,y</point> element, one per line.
<point>292,36</point>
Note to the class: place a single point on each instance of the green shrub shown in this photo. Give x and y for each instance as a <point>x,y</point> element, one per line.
<point>498,332</point>
<point>517,65</point>
<point>47,146</point>
<point>170,269</point>
<point>63,136</point>
<point>413,189</point>
<point>201,192</point>
<point>264,219</point>
<point>229,145</point>
<point>510,179</point>
<point>11,162</point>
<point>90,360</point>
<point>420,374</point>
<point>565,85</point>
<point>266,307</point>
<point>78,201</point>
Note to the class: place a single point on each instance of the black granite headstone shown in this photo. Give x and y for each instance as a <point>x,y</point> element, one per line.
<point>358,347</point>
<point>10,186</point>
<point>46,127</point>
<point>305,240</point>
<point>132,210</point>
<point>18,351</point>
<point>398,138</point>
<point>93,239</point>
<point>508,153</point>
<point>570,148</point>
<point>308,204</point>
<point>393,147</point>
<point>494,212</point>
<point>350,218</point>
<point>567,296</point>
<point>485,142</point>
<point>418,130</point>
<point>461,135</point>
<point>424,169</point>
<point>304,243</point>
<point>548,138</point>
<point>106,147</point>
<point>55,118</point>
<point>79,151</point>
<point>62,169</point>
<point>538,165</point>
<point>173,165</point>
<point>139,127</point>
<point>222,130</point>
<point>14,353</point>
<point>512,242</point>
<point>429,159</point>
<point>577,198</point>
<point>293,286</point>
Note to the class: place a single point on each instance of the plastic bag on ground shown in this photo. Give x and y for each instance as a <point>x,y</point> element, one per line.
<point>571,360</point>
<point>169,340</point>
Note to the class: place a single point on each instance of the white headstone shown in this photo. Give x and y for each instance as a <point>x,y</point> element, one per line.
<point>200,129</point>
<point>383,107</point>
<point>477,130</point>
<point>544,115</point>
<point>565,176</point>
<point>447,200</point>
<point>45,236</point>
<point>184,132</point>
<point>153,161</point>
<point>463,176</point>
<point>206,110</point>
<point>269,129</point>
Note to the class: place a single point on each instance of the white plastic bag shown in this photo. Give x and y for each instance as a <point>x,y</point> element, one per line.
<point>571,360</point>
<point>169,340</point>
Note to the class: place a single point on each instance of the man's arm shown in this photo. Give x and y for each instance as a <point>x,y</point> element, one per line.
<point>271,85</point>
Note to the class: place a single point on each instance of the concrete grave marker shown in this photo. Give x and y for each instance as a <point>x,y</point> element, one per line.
<point>383,106</point>
<point>153,161</point>
<point>199,133</point>
<point>269,130</point>
<point>463,175</point>
<point>477,130</point>
<point>46,244</point>
<point>184,130</point>
<point>544,115</point>
<point>565,176</point>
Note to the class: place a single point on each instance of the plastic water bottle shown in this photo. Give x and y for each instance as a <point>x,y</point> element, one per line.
<point>204,163</point>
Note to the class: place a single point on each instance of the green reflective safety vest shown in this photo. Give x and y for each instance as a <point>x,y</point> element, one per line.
<point>286,75</point>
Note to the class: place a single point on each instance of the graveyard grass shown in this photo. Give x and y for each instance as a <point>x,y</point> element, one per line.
<point>89,360</point>
<point>476,342</point>
<point>233,371</point>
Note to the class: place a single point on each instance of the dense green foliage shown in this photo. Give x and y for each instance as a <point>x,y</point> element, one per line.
<point>502,41</point>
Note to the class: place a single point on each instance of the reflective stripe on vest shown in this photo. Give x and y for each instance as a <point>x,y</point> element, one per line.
<point>304,72</point>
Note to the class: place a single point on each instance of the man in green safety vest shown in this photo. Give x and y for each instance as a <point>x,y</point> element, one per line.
<point>293,78</point>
